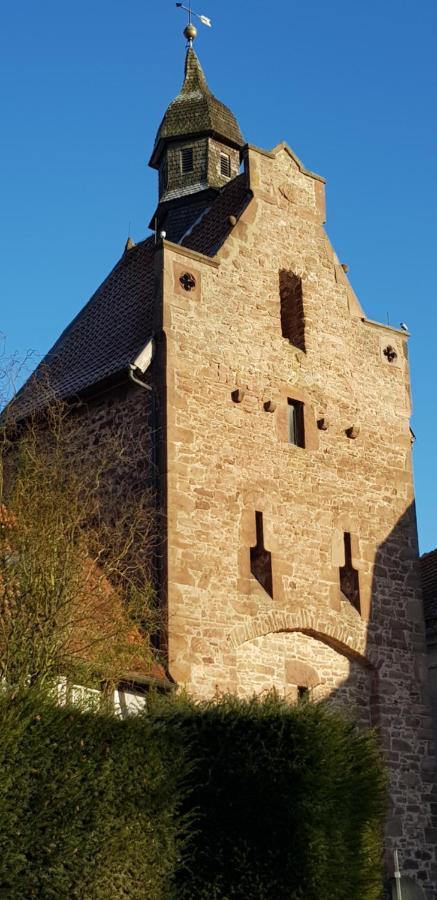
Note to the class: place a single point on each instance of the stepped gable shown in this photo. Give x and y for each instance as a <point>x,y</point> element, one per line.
<point>428,565</point>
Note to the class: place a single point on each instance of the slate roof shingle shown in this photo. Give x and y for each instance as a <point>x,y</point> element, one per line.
<point>119,319</point>
<point>428,566</point>
<point>196,111</point>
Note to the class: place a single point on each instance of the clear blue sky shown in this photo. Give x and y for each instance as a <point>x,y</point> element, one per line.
<point>351,86</point>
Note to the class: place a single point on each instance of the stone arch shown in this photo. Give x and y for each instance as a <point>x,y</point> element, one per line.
<point>348,638</point>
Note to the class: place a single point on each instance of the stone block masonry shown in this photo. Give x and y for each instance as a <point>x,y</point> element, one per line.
<point>347,491</point>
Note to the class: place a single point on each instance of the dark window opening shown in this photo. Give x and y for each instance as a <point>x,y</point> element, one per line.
<point>303,694</point>
<point>296,427</point>
<point>349,578</point>
<point>187,160</point>
<point>261,559</point>
<point>225,165</point>
<point>292,311</point>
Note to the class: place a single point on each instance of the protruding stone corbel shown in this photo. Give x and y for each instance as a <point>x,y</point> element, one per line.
<point>270,406</point>
<point>353,432</point>
<point>323,423</point>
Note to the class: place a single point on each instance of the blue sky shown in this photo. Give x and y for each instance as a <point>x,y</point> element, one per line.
<point>351,87</point>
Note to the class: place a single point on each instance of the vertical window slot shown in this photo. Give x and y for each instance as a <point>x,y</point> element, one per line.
<point>296,426</point>
<point>187,160</point>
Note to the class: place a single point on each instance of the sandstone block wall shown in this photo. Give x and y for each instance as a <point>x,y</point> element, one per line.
<point>230,374</point>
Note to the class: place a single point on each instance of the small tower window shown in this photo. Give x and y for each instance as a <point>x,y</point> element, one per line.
<point>225,165</point>
<point>187,160</point>
<point>296,430</point>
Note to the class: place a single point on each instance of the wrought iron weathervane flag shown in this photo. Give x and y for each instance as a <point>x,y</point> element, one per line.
<point>191,30</point>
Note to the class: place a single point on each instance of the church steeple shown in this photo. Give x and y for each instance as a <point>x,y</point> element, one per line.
<point>198,144</point>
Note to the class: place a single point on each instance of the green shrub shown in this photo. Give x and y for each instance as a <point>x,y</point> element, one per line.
<point>290,804</point>
<point>230,799</point>
<point>89,805</point>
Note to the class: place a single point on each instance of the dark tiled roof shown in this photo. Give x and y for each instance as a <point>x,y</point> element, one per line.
<point>117,323</point>
<point>177,219</point>
<point>196,111</point>
<point>214,226</point>
<point>428,565</point>
<point>107,335</point>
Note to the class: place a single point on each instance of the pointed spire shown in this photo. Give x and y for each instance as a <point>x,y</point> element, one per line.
<point>129,245</point>
<point>196,112</point>
<point>194,75</point>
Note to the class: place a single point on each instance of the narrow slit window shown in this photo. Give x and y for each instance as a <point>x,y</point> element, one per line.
<point>225,165</point>
<point>349,578</point>
<point>292,308</point>
<point>261,559</point>
<point>187,160</point>
<point>296,426</point>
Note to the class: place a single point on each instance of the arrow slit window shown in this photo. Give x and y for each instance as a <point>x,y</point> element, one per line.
<point>261,558</point>
<point>349,578</point>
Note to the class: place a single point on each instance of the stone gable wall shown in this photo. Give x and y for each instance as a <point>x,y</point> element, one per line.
<point>229,374</point>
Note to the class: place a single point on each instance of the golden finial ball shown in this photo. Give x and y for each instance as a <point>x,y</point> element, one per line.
<point>190,32</point>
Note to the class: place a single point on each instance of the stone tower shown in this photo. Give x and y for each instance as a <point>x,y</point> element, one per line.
<point>279,414</point>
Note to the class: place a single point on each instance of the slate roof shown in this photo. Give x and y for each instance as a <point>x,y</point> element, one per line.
<point>196,111</point>
<point>213,227</point>
<point>119,319</point>
<point>428,565</point>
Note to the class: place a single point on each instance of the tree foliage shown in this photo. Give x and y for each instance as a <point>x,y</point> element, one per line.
<point>76,579</point>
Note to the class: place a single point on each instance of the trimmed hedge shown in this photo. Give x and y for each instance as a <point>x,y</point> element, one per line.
<point>231,799</point>
<point>89,805</point>
<point>290,800</point>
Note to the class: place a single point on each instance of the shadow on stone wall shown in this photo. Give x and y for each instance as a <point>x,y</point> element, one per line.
<point>399,705</point>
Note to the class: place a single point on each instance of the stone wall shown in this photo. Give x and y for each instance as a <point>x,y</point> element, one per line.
<point>230,373</point>
<point>118,431</point>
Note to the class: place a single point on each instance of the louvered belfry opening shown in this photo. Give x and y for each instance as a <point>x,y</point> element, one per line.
<point>187,160</point>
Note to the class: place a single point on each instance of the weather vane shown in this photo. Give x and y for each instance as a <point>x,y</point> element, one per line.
<point>190,31</point>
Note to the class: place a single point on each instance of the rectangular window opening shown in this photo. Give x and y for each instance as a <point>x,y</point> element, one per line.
<point>187,160</point>
<point>225,165</point>
<point>303,694</point>
<point>296,427</point>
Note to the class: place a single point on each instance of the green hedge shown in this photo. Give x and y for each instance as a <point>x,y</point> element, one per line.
<point>290,804</point>
<point>232,799</point>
